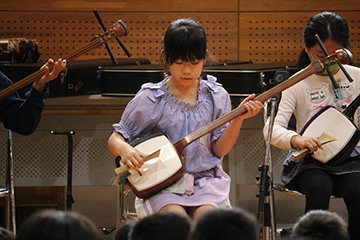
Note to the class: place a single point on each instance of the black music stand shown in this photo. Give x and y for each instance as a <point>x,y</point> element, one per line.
<point>69,197</point>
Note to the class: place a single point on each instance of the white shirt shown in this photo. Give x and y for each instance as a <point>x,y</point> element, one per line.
<point>306,98</point>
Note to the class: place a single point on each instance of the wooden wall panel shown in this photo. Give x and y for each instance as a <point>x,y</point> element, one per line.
<point>238,30</point>
<point>277,36</point>
<point>297,6</point>
<point>121,5</point>
<point>59,34</point>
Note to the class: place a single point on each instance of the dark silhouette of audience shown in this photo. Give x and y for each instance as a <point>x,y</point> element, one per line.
<point>320,225</point>
<point>162,226</point>
<point>218,223</point>
<point>6,234</point>
<point>125,231</point>
<point>58,225</point>
<point>225,223</point>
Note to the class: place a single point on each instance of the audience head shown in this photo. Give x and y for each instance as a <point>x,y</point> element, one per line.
<point>6,234</point>
<point>125,231</point>
<point>58,225</point>
<point>162,226</point>
<point>229,223</point>
<point>319,225</point>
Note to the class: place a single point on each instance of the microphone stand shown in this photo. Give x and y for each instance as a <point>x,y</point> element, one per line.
<point>266,197</point>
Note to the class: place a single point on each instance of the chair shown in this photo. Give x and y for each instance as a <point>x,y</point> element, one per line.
<point>8,191</point>
<point>123,212</point>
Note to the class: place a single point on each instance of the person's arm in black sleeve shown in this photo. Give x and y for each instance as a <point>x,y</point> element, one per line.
<point>23,115</point>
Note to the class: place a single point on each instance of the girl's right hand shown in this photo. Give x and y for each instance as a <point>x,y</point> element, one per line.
<point>300,142</point>
<point>132,157</point>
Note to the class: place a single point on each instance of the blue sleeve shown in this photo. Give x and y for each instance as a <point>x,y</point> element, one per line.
<point>222,104</point>
<point>141,115</point>
<point>21,115</point>
<point>222,107</point>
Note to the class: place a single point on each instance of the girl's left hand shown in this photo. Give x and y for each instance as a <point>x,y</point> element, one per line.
<point>252,107</point>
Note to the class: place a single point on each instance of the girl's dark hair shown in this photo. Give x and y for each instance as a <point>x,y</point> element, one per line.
<point>329,26</point>
<point>184,39</point>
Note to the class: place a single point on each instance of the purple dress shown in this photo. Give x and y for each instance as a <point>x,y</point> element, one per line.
<point>155,109</point>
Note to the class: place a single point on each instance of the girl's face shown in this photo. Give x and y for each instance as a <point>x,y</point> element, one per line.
<point>330,47</point>
<point>316,53</point>
<point>186,73</point>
